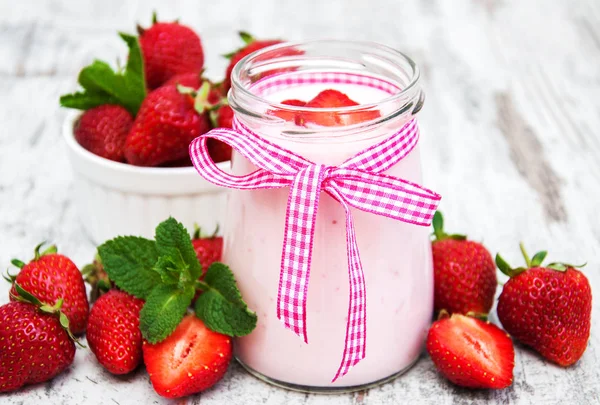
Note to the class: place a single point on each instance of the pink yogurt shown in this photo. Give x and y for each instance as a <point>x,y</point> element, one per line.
<point>396,258</point>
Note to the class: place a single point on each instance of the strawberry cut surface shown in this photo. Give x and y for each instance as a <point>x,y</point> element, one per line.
<point>471,353</point>
<point>192,359</point>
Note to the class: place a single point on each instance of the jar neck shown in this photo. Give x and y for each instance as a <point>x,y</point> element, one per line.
<point>384,83</point>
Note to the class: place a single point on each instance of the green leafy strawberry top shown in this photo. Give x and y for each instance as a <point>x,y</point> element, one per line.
<point>535,261</point>
<point>102,85</point>
<point>165,273</point>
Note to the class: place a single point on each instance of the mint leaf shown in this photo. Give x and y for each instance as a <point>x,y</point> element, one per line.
<point>172,270</point>
<point>129,262</point>
<point>173,241</point>
<point>86,100</point>
<point>134,71</point>
<point>221,306</point>
<point>163,311</point>
<point>103,85</point>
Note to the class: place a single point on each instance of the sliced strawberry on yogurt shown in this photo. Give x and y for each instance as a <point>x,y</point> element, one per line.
<point>334,99</point>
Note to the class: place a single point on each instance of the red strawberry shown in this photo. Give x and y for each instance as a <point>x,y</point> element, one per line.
<point>293,101</point>
<point>192,359</point>
<point>164,127</point>
<point>208,249</point>
<point>113,331</point>
<point>290,115</point>
<point>102,130</point>
<point>464,273</point>
<point>169,49</point>
<point>222,117</point>
<point>191,79</point>
<point>251,46</point>
<point>195,81</point>
<point>34,347</point>
<point>335,99</point>
<point>547,308</point>
<point>50,277</point>
<point>471,353</point>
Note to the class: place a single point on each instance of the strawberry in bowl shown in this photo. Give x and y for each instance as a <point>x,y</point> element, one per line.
<point>129,145</point>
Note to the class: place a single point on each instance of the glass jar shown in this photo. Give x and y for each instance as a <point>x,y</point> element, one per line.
<point>395,255</point>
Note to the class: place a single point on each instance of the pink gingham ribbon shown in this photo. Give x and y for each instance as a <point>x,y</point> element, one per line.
<point>359,182</point>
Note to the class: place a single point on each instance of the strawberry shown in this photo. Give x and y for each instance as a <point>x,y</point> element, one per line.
<point>328,99</point>
<point>294,101</point>
<point>208,249</point>
<point>96,277</point>
<point>547,308</point>
<point>102,130</point>
<point>221,117</point>
<point>471,353</point>
<point>169,49</point>
<point>191,79</point>
<point>164,127</point>
<point>113,331</point>
<point>289,115</point>
<point>34,346</point>
<point>464,272</point>
<point>195,81</point>
<point>251,45</point>
<point>192,359</point>
<point>51,276</point>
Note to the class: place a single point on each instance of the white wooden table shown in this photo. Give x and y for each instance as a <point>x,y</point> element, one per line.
<point>511,140</point>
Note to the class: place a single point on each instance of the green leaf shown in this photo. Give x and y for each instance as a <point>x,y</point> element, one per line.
<point>246,37</point>
<point>18,263</point>
<point>170,269</point>
<point>163,311</point>
<point>26,296</point>
<point>221,306</point>
<point>538,258</point>
<point>129,262</point>
<point>558,266</point>
<point>506,269</point>
<point>134,71</point>
<point>103,85</point>
<point>86,100</point>
<point>438,223</point>
<point>173,241</point>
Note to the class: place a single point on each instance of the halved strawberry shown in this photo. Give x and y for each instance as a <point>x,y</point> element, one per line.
<point>290,115</point>
<point>331,98</point>
<point>471,353</point>
<point>192,359</point>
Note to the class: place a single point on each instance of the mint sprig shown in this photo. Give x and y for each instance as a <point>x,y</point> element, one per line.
<point>165,273</point>
<point>102,85</point>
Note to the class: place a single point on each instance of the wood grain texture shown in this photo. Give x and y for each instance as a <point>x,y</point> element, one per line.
<point>511,140</point>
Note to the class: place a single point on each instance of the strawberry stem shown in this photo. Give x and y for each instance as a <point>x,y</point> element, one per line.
<point>525,255</point>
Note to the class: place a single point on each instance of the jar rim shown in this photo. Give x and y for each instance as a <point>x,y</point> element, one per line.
<point>242,65</point>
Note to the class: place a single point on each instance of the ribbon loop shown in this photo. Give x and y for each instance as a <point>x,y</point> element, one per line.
<point>357,183</point>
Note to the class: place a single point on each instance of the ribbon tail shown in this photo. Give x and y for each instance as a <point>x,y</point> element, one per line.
<point>301,215</point>
<point>356,327</point>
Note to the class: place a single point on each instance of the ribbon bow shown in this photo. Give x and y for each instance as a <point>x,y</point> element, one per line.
<point>359,182</point>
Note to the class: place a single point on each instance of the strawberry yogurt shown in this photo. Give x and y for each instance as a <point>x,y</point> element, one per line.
<point>396,256</point>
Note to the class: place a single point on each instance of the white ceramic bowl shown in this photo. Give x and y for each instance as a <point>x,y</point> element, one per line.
<point>120,199</point>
